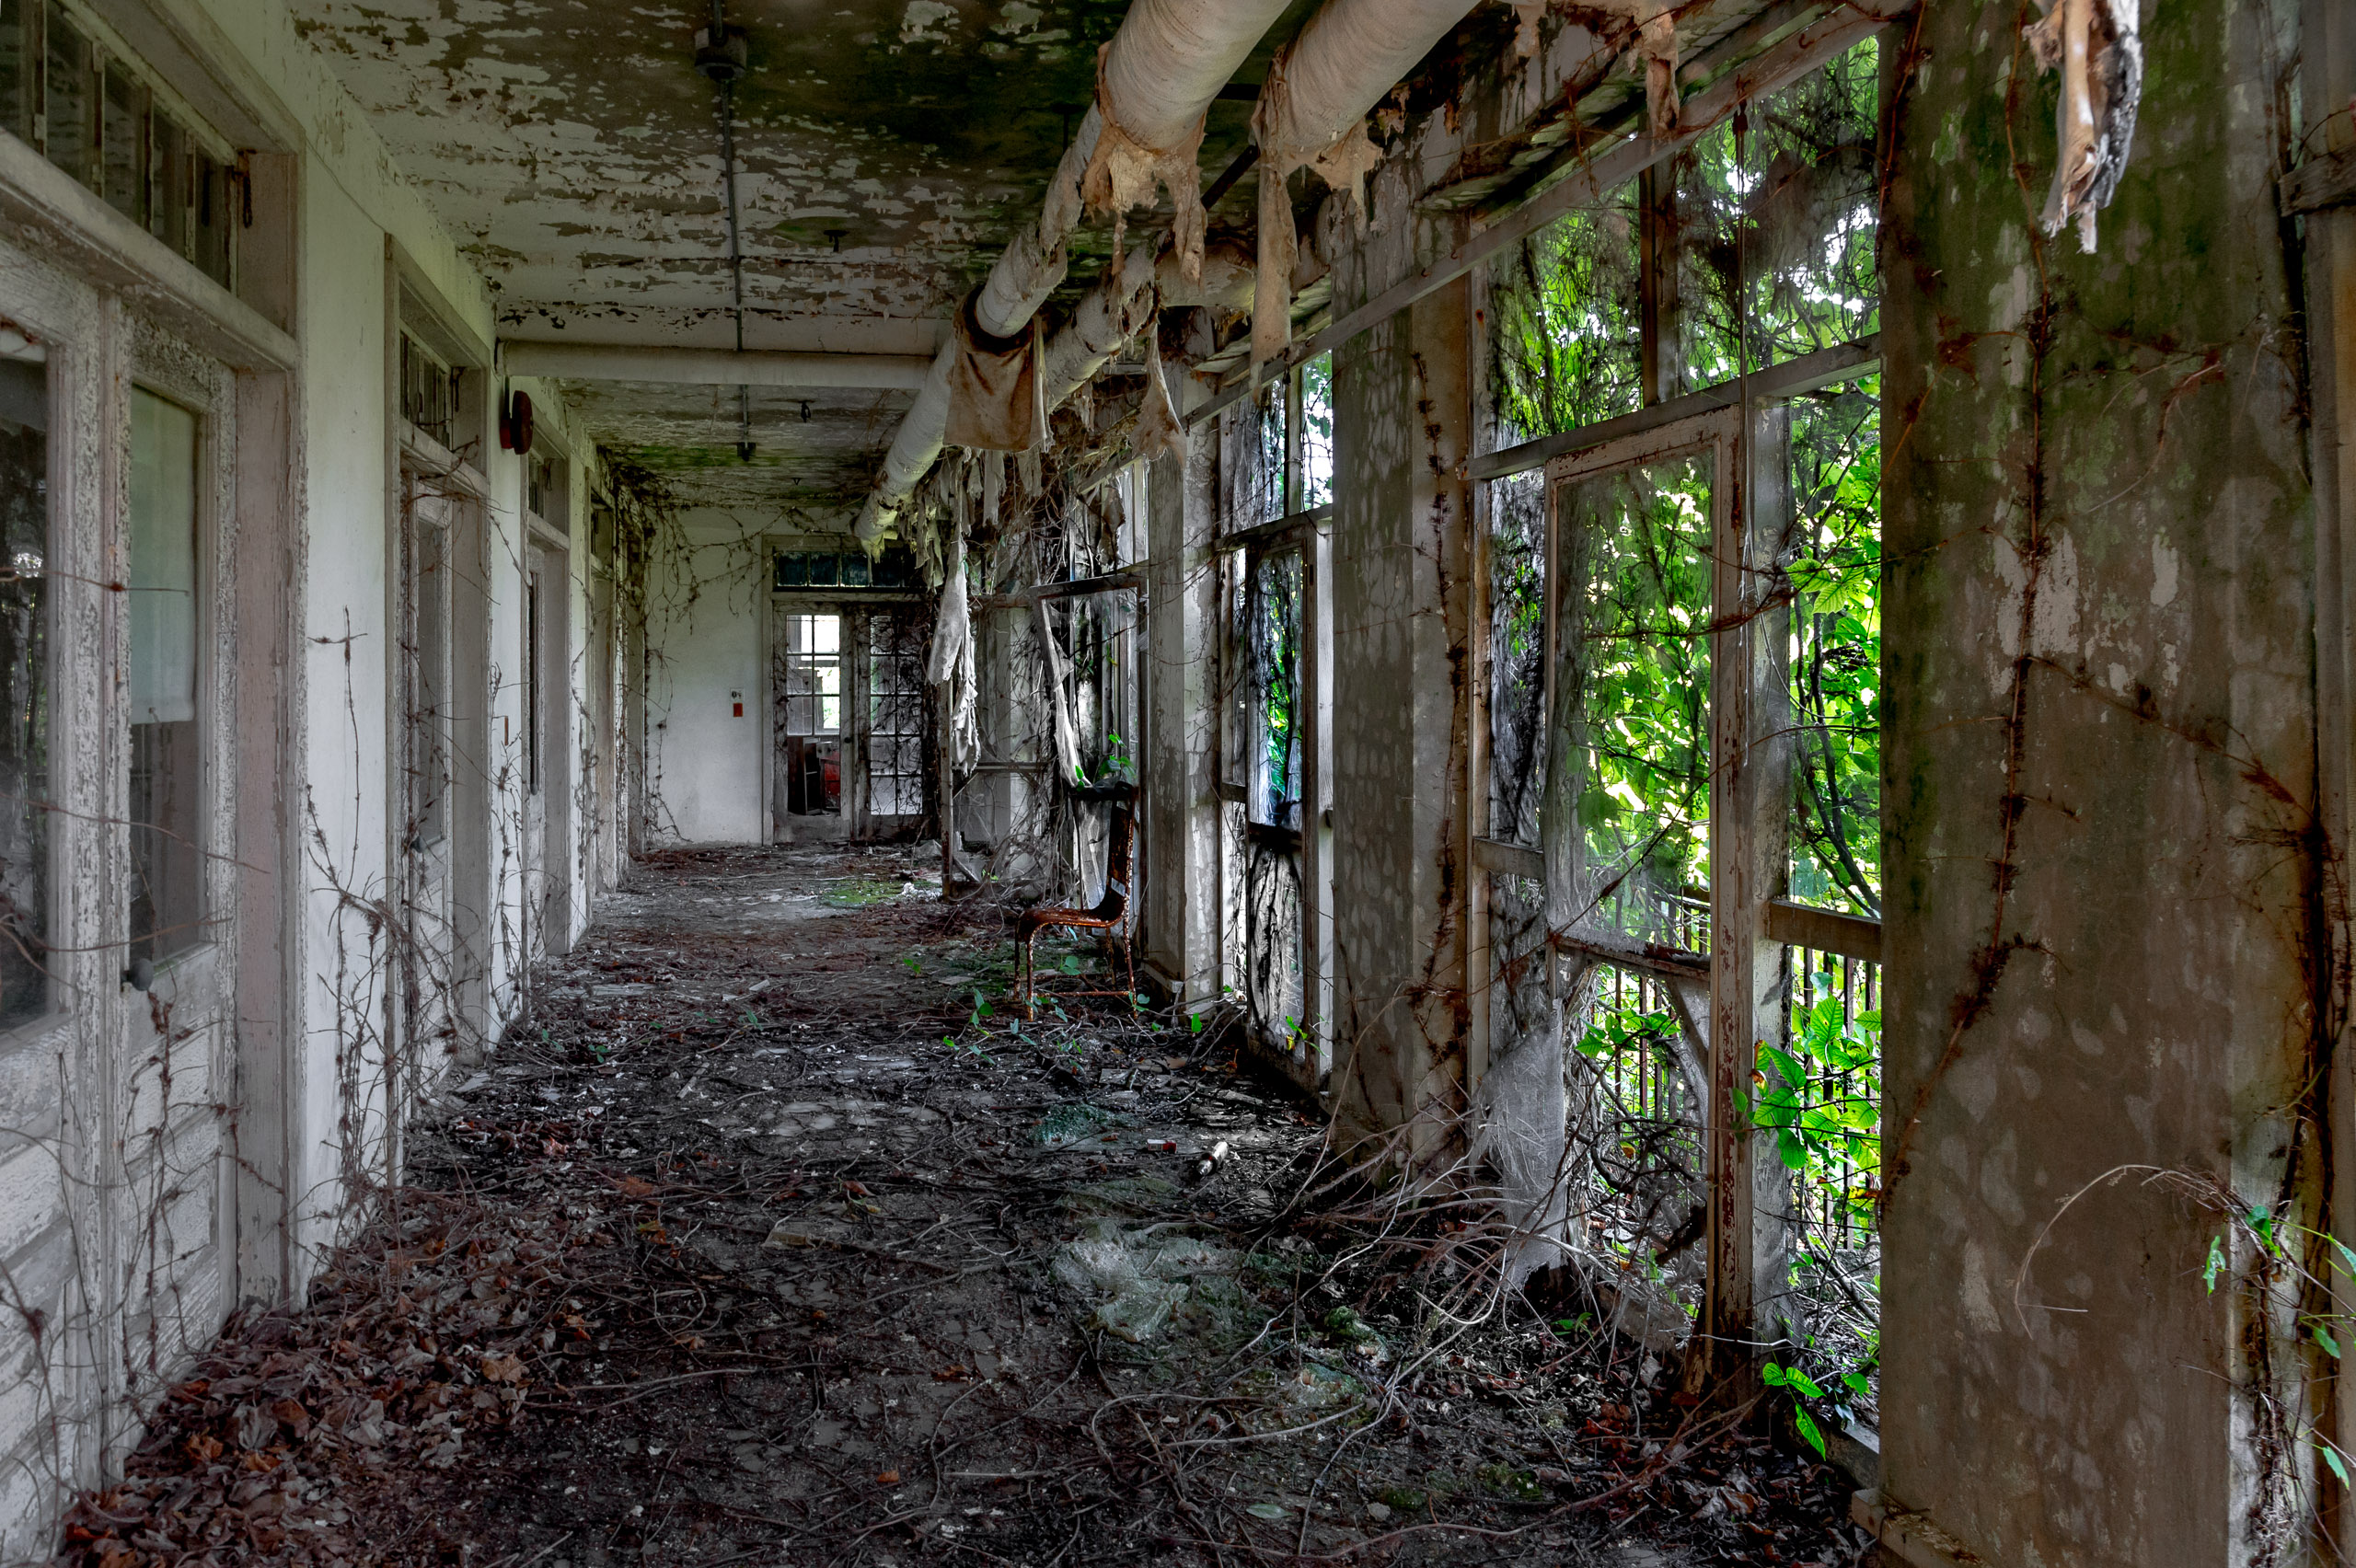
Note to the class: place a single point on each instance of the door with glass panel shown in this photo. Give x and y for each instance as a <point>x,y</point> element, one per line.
<point>807,726</point>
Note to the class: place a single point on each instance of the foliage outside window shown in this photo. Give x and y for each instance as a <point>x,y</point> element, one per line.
<point>1317,432</point>
<point>1567,319</point>
<point>1836,649</point>
<point>1780,216</point>
<point>1635,684</point>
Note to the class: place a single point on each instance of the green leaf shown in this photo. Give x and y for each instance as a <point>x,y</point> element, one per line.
<point>1788,1144</point>
<point>2345,1255</point>
<point>2216,1263</point>
<point>1194,1021</point>
<point>2331,1457</point>
<point>1268,1511</point>
<point>1802,1383</point>
<point>1858,1382</point>
<point>1808,1430</point>
<point>2324,1337</point>
<point>1774,1376</point>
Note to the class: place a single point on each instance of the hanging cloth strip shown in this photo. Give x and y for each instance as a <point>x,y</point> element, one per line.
<point>1159,432</point>
<point>1343,165</point>
<point>995,397</point>
<point>2096,46</point>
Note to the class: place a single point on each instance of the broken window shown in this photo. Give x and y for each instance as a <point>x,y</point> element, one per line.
<point>24,688</point>
<point>1754,249</point>
<point>1270,716</point>
<point>1315,382</point>
<point>1777,210</point>
<point>895,715</point>
<point>1632,741</point>
<point>1273,731</point>
<point>166,765</point>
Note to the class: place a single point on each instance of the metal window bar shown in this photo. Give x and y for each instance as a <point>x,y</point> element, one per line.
<point>1836,1199</point>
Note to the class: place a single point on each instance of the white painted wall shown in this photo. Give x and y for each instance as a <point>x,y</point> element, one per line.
<point>705,610</point>
<point>352,207</point>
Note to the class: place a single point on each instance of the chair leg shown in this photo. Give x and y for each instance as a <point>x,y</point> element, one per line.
<point>1029,1012</point>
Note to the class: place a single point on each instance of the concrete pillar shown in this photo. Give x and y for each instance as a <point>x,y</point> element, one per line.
<point>2103,887</point>
<point>1180,892</point>
<point>1402,568</point>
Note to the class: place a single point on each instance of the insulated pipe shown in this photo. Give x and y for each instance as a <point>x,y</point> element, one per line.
<point>1159,73</point>
<point>1163,68</point>
<point>1351,54</point>
<point>1101,322</point>
<point>1079,349</point>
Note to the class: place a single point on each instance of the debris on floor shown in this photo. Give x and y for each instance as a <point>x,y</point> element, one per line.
<point>771,1237</point>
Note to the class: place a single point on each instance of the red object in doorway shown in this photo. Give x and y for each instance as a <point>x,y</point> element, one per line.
<point>740,710</point>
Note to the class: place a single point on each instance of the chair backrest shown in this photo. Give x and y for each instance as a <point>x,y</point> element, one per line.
<point>1115,901</point>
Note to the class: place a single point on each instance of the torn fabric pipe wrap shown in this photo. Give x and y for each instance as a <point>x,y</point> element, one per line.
<point>952,655</point>
<point>1159,433</point>
<point>1051,661</point>
<point>1280,242</point>
<point>1122,172</point>
<point>993,389</point>
<point>2096,46</point>
<point>1312,111</point>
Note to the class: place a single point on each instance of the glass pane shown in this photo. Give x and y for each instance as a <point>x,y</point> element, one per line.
<point>67,90</point>
<point>1274,653</point>
<point>24,690</point>
<point>1836,649</point>
<point>168,220</point>
<point>125,129</point>
<point>1317,432</point>
<point>1634,693</point>
<point>1567,315</point>
<point>532,685</point>
<point>211,242</point>
<point>166,892</point>
<point>15,70</point>
<point>1784,215</point>
<point>825,635</point>
<point>1517,655</point>
<point>163,560</point>
<point>428,757</point>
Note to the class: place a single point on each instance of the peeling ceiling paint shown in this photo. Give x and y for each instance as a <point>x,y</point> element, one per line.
<point>574,152</point>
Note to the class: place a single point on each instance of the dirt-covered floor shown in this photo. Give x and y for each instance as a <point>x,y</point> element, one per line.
<point>772,1237</point>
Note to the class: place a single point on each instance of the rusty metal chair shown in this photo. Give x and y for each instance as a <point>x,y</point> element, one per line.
<point>1111,912</point>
